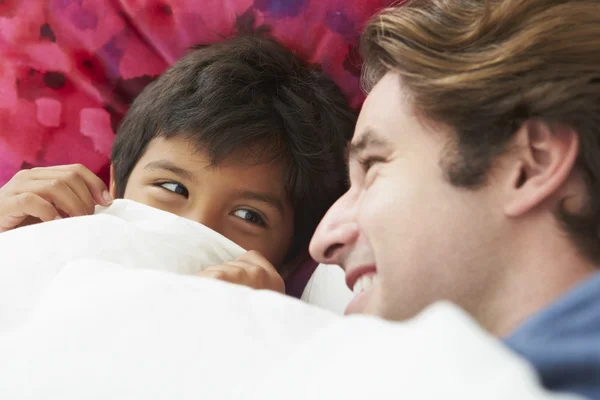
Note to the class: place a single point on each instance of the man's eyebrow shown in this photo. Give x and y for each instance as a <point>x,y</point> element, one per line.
<point>367,139</point>
<point>166,165</point>
<point>266,198</point>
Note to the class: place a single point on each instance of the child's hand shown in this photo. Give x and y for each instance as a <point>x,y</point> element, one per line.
<point>251,269</point>
<point>45,194</point>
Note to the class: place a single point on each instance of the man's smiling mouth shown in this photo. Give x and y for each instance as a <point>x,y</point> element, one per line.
<point>361,278</point>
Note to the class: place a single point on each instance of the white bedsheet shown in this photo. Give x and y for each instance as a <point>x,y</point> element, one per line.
<point>128,233</point>
<point>105,319</point>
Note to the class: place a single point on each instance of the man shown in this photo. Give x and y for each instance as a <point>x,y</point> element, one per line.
<point>475,176</point>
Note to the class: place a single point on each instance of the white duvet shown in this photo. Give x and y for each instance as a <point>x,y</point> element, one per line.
<point>90,309</point>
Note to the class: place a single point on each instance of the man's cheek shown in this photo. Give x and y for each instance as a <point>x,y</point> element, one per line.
<point>378,209</point>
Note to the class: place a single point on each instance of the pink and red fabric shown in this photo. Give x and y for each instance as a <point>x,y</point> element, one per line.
<point>70,68</point>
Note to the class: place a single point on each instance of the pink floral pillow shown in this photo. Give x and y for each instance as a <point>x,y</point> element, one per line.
<point>70,68</point>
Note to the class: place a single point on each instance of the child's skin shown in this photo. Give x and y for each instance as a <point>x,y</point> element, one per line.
<point>240,198</point>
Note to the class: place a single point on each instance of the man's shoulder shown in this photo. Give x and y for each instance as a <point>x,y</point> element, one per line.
<point>562,341</point>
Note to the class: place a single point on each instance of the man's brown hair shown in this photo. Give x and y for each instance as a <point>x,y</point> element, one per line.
<point>483,68</point>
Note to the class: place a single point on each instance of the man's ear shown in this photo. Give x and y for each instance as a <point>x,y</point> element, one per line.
<point>541,163</point>
<point>112,187</point>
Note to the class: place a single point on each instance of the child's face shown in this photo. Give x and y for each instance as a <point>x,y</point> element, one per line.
<point>244,202</point>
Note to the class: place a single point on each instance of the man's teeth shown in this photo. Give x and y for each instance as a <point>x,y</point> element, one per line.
<point>363,283</point>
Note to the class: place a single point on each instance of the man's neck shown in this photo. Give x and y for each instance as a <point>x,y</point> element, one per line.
<point>542,269</point>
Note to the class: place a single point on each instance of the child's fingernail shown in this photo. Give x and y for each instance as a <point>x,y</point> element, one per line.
<point>107,197</point>
<point>57,217</point>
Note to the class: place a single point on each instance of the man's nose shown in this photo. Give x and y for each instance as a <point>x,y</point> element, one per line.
<point>336,234</point>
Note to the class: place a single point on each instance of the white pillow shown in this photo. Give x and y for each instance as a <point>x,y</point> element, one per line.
<point>327,289</point>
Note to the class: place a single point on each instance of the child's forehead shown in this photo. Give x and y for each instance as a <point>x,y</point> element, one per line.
<point>181,155</point>
<point>241,155</point>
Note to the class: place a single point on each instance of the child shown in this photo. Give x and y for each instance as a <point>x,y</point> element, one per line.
<point>240,136</point>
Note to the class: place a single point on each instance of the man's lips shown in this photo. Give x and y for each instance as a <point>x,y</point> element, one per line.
<point>353,274</point>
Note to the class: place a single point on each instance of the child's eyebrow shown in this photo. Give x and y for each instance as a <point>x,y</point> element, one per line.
<point>166,165</point>
<point>266,198</point>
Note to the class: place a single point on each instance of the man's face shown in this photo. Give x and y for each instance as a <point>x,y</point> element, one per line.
<point>405,236</point>
<point>245,202</point>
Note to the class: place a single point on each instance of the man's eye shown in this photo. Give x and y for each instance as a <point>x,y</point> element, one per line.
<point>175,187</point>
<point>250,216</point>
<point>368,162</point>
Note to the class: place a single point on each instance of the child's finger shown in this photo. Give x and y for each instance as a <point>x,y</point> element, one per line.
<point>79,187</point>
<point>95,185</point>
<point>261,270</point>
<point>226,272</point>
<point>71,173</point>
<point>244,272</point>
<point>29,204</point>
<point>255,258</point>
<point>57,192</point>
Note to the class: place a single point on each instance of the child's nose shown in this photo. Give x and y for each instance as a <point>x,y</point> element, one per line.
<point>207,217</point>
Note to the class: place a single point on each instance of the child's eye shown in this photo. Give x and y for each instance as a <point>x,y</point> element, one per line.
<point>175,187</point>
<point>251,216</point>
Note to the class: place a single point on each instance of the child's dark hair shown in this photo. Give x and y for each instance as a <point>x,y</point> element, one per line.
<point>249,93</point>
